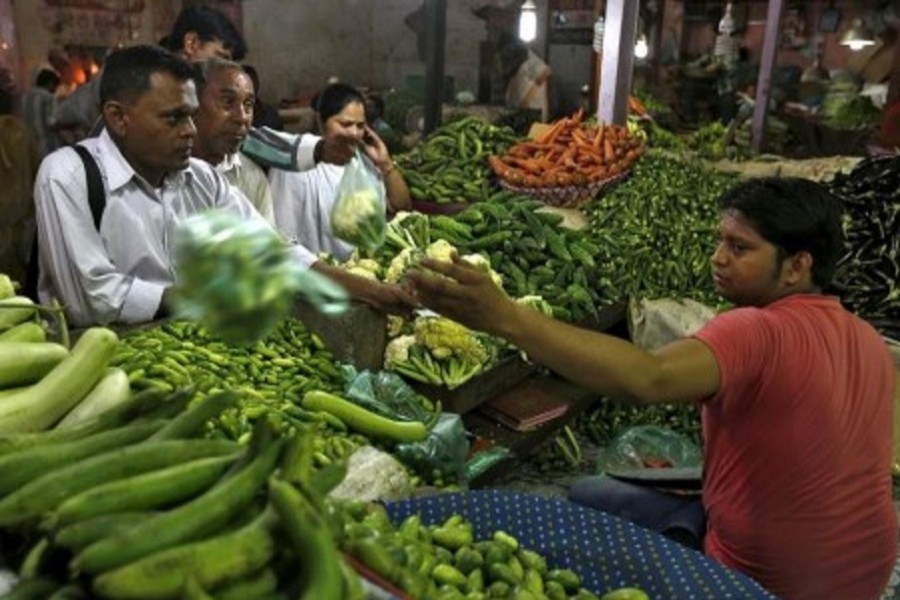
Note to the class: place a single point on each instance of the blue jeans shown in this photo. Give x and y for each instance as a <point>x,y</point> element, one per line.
<point>676,516</point>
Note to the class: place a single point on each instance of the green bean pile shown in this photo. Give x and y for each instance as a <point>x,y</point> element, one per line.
<point>655,232</point>
<point>451,164</point>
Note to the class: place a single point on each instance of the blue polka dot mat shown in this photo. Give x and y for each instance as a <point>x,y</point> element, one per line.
<point>608,552</point>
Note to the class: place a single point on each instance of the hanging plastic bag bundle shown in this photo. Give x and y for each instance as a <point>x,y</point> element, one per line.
<point>358,214</point>
<point>239,280</point>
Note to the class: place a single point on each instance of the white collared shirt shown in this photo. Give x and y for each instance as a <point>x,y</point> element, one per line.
<point>119,273</point>
<point>247,176</point>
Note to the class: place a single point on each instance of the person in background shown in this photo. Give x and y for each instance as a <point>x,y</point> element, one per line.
<point>121,270</point>
<point>526,76</point>
<point>38,107</point>
<point>264,114</point>
<point>304,200</point>
<point>375,115</point>
<point>201,32</point>
<point>19,159</point>
<point>796,395</point>
<point>78,113</point>
<point>226,96</point>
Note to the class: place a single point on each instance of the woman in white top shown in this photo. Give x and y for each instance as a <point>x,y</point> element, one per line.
<point>303,200</point>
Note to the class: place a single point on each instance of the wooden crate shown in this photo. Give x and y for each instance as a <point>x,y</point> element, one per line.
<point>502,376</point>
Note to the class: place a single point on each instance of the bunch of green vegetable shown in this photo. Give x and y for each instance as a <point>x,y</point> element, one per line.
<point>608,419</point>
<point>444,561</point>
<point>450,165</point>
<point>856,114</point>
<point>239,279</point>
<point>274,372</point>
<point>441,352</point>
<point>144,511</point>
<point>654,233</point>
<point>533,254</point>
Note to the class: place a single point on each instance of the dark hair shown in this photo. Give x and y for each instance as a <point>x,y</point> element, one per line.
<point>47,79</point>
<point>127,72</point>
<point>795,215</point>
<point>203,69</point>
<point>334,98</point>
<point>209,24</point>
<point>254,76</point>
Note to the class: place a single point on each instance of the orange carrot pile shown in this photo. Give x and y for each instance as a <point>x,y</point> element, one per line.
<point>571,152</point>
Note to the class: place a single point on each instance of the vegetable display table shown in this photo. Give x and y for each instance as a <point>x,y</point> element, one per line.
<point>608,552</point>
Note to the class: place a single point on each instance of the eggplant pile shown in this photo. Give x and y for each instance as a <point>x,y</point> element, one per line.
<point>868,275</point>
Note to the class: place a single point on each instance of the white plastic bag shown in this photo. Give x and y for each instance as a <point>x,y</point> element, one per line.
<point>358,214</point>
<point>655,323</point>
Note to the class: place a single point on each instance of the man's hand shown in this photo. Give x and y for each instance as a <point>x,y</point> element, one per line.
<point>390,298</point>
<point>464,294</point>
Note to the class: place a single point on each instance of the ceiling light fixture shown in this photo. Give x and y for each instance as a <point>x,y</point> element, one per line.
<point>857,36</point>
<point>528,21</point>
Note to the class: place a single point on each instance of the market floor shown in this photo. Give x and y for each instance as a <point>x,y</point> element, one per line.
<point>530,479</point>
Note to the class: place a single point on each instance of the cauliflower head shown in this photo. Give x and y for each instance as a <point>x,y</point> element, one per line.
<point>361,272</point>
<point>440,250</point>
<point>445,338</point>
<point>480,262</point>
<point>397,350</point>
<point>395,325</point>
<point>401,263</point>
<point>354,208</point>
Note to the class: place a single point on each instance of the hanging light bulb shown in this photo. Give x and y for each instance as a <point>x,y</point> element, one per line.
<point>641,49</point>
<point>528,21</point>
<point>857,36</point>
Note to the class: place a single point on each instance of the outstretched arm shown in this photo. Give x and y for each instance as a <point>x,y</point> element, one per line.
<point>684,371</point>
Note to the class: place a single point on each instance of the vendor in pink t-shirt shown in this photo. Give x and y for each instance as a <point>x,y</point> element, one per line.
<point>796,393</point>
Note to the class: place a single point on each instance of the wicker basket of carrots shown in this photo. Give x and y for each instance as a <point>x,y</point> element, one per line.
<point>569,164</point>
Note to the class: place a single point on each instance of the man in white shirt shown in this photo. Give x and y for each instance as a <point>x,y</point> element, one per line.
<point>226,95</point>
<point>122,271</point>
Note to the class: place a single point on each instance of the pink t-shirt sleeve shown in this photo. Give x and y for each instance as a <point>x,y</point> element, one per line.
<point>740,339</point>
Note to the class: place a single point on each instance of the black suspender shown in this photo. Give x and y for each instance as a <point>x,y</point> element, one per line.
<point>96,193</point>
<point>96,201</point>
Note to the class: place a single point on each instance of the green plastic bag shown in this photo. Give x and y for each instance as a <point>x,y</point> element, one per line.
<point>445,449</point>
<point>239,279</point>
<point>648,446</point>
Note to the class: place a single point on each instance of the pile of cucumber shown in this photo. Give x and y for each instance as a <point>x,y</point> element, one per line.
<point>43,384</point>
<point>147,510</point>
